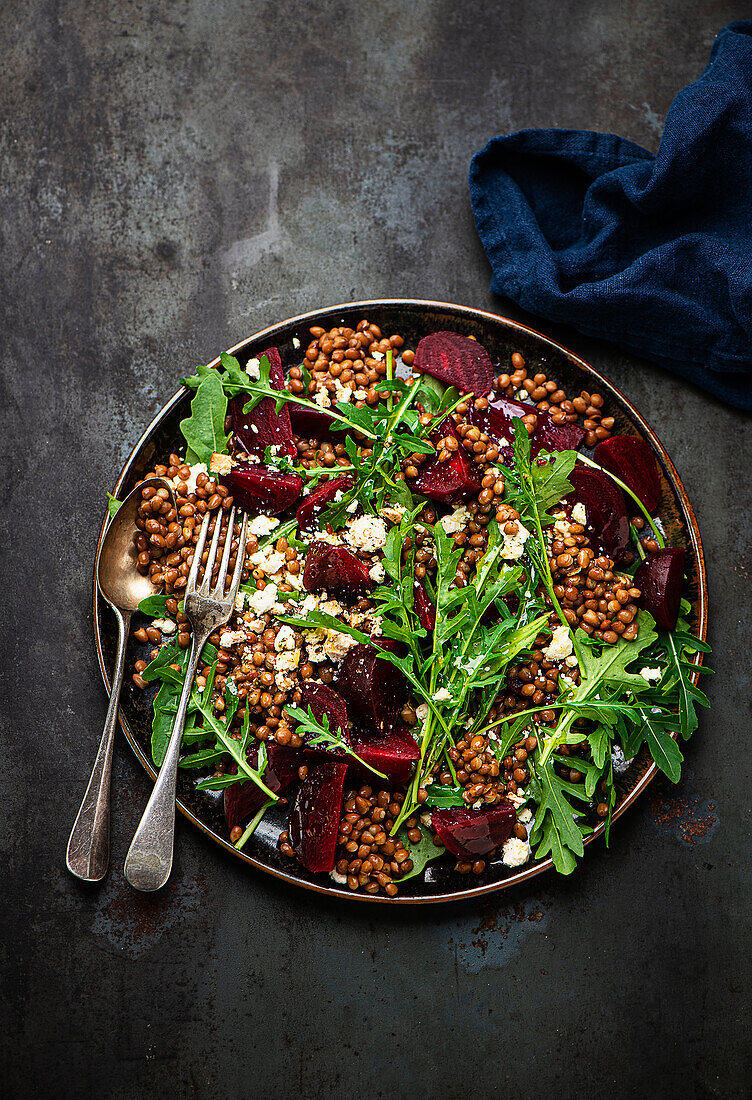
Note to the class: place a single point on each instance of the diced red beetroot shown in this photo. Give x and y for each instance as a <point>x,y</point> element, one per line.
<point>660,578</point>
<point>632,460</point>
<point>315,815</point>
<point>263,427</point>
<point>394,754</point>
<point>425,609</point>
<point>309,423</point>
<point>452,481</point>
<point>314,504</point>
<point>469,834</point>
<point>373,687</point>
<point>496,422</point>
<point>323,701</point>
<point>456,360</point>
<point>257,488</point>
<point>607,519</point>
<point>334,568</point>
<point>242,800</point>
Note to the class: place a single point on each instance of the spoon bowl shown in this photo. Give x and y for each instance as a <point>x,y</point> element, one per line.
<point>123,587</point>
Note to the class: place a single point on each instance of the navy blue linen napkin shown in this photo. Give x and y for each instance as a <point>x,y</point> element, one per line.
<point>651,252</point>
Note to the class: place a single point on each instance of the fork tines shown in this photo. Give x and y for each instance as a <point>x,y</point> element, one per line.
<point>218,592</point>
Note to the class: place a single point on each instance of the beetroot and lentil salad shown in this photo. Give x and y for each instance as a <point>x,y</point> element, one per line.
<point>453,628</point>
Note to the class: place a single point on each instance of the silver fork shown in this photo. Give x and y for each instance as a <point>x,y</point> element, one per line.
<point>149,860</point>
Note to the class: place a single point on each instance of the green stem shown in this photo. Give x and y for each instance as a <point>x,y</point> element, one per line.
<point>233,748</point>
<point>638,543</point>
<point>253,824</point>
<point>260,393</point>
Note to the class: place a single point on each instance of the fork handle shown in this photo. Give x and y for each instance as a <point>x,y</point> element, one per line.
<point>88,853</point>
<point>149,860</point>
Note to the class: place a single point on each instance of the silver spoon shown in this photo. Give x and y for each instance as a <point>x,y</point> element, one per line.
<point>123,587</point>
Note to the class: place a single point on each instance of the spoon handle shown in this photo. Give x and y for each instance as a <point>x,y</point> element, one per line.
<point>149,860</point>
<point>88,854</point>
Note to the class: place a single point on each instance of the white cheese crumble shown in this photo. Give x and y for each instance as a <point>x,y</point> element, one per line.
<point>515,852</point>
<point>377,572</point>
<point>337,645</point>
<point>525,816</point>
<point>335,876</point>
<point>514,545</point>
<point>366,533</point>
<point>252,368</point>
<point>579,514</point>
<point>321,398</point>
<point>285,639</point>
<point>456,521</point>
<point>221,464</point>
<point>295,342</point>
<point>393,512</point>
<point>229,638</point>
<point>167,626</point>
<point>262,525</point>
<point>562,526</point>
<point>560,645</point>
<point>571,661</point>
<point>263,600</point>
<point>198,468</point>
<point>421,712</point>
<point>284,663</point>
<point>441,696</point>
<point>652,675</point>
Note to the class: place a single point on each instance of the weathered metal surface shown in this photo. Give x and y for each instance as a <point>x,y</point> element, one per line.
<point>174,177</point>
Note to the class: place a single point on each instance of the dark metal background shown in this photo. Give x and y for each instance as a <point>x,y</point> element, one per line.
<point>175,176</point>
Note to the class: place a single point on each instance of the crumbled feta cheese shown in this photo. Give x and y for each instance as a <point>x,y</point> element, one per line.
<point>456,521</point>
<point>571,661</point>
<point>360,395</point>
<point>342,392</point>
<point>377,572</point>
<point>263,600</point>
<point>562,526</point>
<point>335,876</point>
<point>268,559</point>
<point>337,645</point>
<point>167,626</point>
<point>252,368</point>
<point>652,675</point>
<point>425,818</point>
<point>515,852</point>
<point>441,696</point>
<point>256,626</point>
<point>331,607</point>
<point>295,342</point>
<point>579,515</point>
<point>285,639</point>
<point>366,533</point>
<point>421,712</point>
<point>352,506</point>
<point>321,398</point>
<point>393,512</point>
<point>284,663</point>
<point>240,600</point>
<point>525,816</point>
<point>262,525</point>
<point>221,464</point>
<point>198,468</point>
<point>377,355</point>
<point>229,638</point>
<point>560,645</point>
<point>514,544</point>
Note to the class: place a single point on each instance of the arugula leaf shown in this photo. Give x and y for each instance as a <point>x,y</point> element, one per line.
<point>154,606</point>
<point>422,853</point>
<point>112,505</point>
<point>688,694</point>
<point>555,829</point>
<point>319,733</point>
<point>444,798</point>
<point>204,429</point>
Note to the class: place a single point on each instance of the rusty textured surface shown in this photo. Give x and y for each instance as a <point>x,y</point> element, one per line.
<point>174,177</point>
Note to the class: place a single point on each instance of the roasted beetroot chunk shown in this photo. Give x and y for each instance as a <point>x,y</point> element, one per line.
<point>425,609</point>
<point>452,481</point>
<point>263,427</point>
<point>311,424</point>
<point>456,360</point>
<point>632,460</point>
<point>660,578</point>
<point>394,754</point>
<point>469,834</point>
<point>497,422</point>
<point>259,489</point>
<point>242,800</point>
<point>315,503</point>
<point>373,688</point>
<point>607,519</point>
<point>315,815</point>
<point>323,701</point>
<point>334,568</point>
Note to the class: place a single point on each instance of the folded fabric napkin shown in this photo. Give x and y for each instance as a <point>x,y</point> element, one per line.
<point>651,252</point>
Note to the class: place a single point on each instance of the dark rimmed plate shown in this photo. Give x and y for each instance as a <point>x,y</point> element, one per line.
<point>412,319</point>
